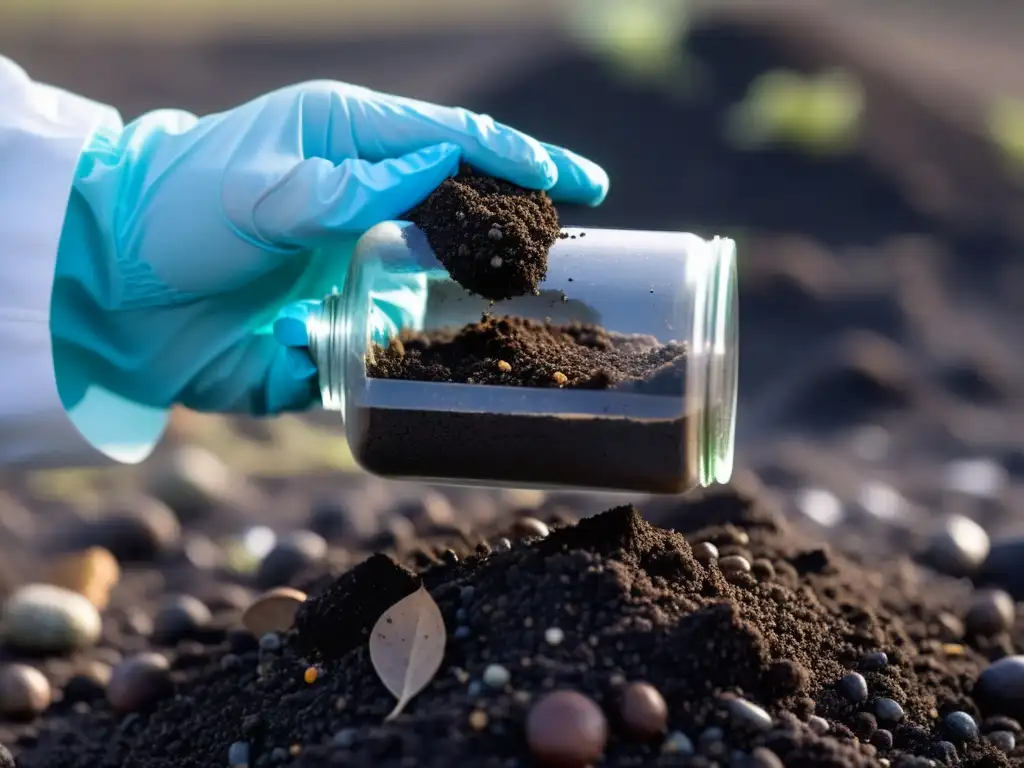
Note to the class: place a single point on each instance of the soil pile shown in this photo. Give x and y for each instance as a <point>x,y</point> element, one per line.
<point>751,633</point>
<point>517,351</point>
<point>492,236</point>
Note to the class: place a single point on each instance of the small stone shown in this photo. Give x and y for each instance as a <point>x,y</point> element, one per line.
<point>853,687</point>
<point>960,726</point>
<point>193,481</point>
<point>958,547</point>
<point>529,528</point>
<point>238,754</point>
<point>462,632</point>
<point>50,619</point>
<point>504,366</point>
<point>875,661</point>
<point>270,642</point>
<point>496,262</point>
<point>818,725</point>
<point>289,557</point>
<point>712,741</point>
<point>734,564</point>
<point>478,720</point>
<point>565,729</point>
<point>946,752</point>
<point>496,676</point>
<point>554,636</point>
<point>89,684</point>
<point>882,739</point>
<point>495,233</point>
<point>273,611</point>
<point>24,691</point>
<point>745,714</point>
<point>139,683</point>
<point>705,552</point>
<point>677,743</point>
<point>180,617</point>
<point>337,521</point>
<point>1000,688</point>
<point>345,738</point>
<point>762,757</point>
<point>134,528</point>
<point>643,711</point>
<point>502,545</point>
<point>560,378</point>
<point>888,711</point>
<point>992,612</point>
<point>1004,741</point>
<point>92,573</point>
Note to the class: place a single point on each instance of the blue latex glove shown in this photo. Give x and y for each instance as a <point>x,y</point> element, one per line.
<point>186,236</point>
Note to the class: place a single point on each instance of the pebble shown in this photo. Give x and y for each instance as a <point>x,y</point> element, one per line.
<point>643,711</point>
<point>746,714</point>
<point>429,512</point>
<point>566,729</point>
<point>875,661</point>
<point>134,529</point>
<point>51,619</point>
<point>496,676</point>
<point>705,552</point>
<point>336,521</point>
<point>289,557</point>
<point>677,743</point>
<point>991,612</point>
<point>959,547</point>
<point>238,754</point>
<point>273,611</point>
<point>734,564</point>
<point>139,682</point>
<point>270,642</point>
<point>92,573</point>
<point>853,687</point>
<point>478,719</point>
<point>1004,741</point>
<point>821,506</point>
<point>530,528</point>
<point>882,739</point>
<point>502,545</point>
<point>201,552</point>
<point>762,757</point>
<point>888,710</point>
<point>345,738</point>
<point>495,233</point>
<point>818,725</point>
<point>979,477</point>
<point>554,636</point>
<point>960,726</point>
<point>192,481</point>
<point>180,617</point>
<point>24,691</point>
<point>1004,565</point>
<point>89,684</point>
<point>1001,686</point>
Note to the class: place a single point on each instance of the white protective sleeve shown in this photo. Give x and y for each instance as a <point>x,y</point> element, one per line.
<point>42,133</point>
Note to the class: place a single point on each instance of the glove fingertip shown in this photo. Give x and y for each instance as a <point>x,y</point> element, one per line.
<point>580,180</point>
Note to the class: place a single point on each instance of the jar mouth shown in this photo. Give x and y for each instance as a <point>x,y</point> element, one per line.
<point>721,337</point>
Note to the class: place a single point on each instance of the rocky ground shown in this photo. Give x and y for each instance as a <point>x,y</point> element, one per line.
<point>850,600</point>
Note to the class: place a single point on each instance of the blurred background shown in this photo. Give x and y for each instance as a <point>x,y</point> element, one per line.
<point>868,155</point>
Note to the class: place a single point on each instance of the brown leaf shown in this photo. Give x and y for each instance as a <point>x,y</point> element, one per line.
<point>407,646</point>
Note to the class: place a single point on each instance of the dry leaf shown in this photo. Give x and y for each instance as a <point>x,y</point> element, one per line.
<point>407,646</point>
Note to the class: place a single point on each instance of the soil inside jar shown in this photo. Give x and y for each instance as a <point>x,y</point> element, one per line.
<point>602,430</point>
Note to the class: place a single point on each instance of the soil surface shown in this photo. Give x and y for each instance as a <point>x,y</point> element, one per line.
<point>516,351</point>
<point>492,236</point>
<point>878,501</point>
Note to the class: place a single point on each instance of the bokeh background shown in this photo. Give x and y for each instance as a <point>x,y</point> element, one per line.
<point>867,155</point>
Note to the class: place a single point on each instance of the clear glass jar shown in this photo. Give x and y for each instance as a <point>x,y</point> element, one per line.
<point>667,301</point>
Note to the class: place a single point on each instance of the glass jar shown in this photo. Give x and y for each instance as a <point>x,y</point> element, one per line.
<point>644,324</point>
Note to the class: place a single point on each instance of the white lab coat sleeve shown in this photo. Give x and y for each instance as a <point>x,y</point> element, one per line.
<point>43,131</point>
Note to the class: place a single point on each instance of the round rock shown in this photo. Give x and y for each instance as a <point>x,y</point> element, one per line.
<point>747,715</point>
<point>888,710</point>
<point>565,729</point>
<point>180,617</point>
<point>529,528</point>
<point>89,683</point>
<point>853,687</point>
<point>643,711</point>
<point>1000,688</point>
<point>991,612</point>
<point>24,691</point>
<point>960,726</point>
<point>50,619</point>
<point>273,611</point>
<point>289,557</point>
<point>134,528</point>
<point>959,547</point>
<point>139,683</point>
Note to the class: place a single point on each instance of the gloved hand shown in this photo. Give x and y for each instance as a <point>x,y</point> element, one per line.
<point>186,236</point>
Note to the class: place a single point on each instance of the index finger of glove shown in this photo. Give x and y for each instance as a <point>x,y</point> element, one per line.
<point>384,126</point>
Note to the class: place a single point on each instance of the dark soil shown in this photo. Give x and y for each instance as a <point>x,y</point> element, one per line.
<point>492,236</point>
<point>516,351</point>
